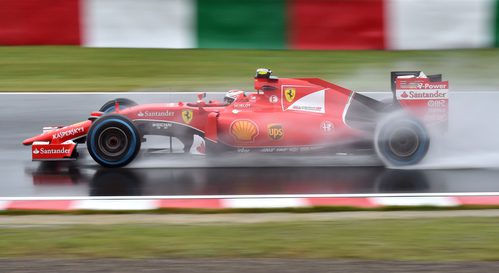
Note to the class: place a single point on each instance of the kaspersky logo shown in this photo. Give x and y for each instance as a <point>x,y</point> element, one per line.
<point>69,133</point>
<point>44,151</point>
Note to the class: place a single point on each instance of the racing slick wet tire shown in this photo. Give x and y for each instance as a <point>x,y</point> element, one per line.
<point>123,103</point>
<point>113,141</point>
<point>401,142</point>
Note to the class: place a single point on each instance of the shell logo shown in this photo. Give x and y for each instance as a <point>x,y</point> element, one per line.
<point>244,130</point>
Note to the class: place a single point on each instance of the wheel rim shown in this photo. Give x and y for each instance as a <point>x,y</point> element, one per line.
<point>403,142</point>
<point>112,142</point>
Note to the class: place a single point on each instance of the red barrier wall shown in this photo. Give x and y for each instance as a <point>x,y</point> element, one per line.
<point>340,24</point>
<point>39,22</point>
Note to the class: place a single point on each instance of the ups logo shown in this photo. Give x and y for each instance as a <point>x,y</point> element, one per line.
<point>275,131</point>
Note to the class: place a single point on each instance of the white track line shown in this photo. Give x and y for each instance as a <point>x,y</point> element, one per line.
<point>156,197</point>
<point>179,93</point>
<point>108,93</point>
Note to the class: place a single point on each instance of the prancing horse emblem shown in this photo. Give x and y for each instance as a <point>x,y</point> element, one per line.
<point>187,115</point>
<point>289,93</point>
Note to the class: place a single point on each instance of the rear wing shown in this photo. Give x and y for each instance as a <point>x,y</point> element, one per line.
<point>425,96</point>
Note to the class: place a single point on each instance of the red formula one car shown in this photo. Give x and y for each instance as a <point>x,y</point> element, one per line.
<point>284,115</point>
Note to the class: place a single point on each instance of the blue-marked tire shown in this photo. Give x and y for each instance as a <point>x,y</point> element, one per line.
<point>401,142</point>
<point>113,141</point>
<point>123,103</point>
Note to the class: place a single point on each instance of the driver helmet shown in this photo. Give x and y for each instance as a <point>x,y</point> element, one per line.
<point>232,95</point>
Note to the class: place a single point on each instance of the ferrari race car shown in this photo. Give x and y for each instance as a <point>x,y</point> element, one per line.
<point>284,115</point>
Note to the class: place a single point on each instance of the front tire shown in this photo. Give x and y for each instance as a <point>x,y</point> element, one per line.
<point>113,141</point>
<point>401,142</point>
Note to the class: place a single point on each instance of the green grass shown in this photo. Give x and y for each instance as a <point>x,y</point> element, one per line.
<point>105,69</point>
<point>460,239</point>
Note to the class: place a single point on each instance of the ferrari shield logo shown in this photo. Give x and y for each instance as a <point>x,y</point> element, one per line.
<point>187,115</point>
<point>289,93</point>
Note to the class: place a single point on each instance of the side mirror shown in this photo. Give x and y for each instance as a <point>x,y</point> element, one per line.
<point>201,104</point>
<point>201,95</point>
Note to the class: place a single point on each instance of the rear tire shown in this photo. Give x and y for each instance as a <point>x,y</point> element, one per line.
<point>401,141</point>
<point>113,141</point>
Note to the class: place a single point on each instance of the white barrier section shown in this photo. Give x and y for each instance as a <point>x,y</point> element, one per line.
<point>139,23</point>
<point>437,201</point>
<point>3,204</point>
<point>429,24</point>
<point>114,205</point>
<point>244,203</point>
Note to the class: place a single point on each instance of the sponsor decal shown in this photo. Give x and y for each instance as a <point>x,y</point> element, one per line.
<point>166,113</point>
<point>313,102</point>
<point>432,85</point>
<point>290,94</point>
<point>288,149</point>
<point>275,131</point>
<point>327,126</point>
<point>44,151</point>
<point>437,103</point>
<point>187,115</point>
<point>421,94</point>
<point>162,125</point>
<point>242,105</point>
<point>273,99</point>
<point>68,133</point>
<point>243,150</point>
<point>243,130</point>
<point>307,108</point>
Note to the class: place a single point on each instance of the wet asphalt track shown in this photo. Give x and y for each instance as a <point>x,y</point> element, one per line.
<point>23,115</point>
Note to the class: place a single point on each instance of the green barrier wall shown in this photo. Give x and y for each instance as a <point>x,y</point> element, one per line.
<point>241,24</point>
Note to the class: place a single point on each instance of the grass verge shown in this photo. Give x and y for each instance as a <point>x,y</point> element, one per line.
<point>459,239</point>
<point>52,68</point>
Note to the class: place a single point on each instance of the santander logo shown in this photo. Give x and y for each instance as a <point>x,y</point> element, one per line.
<point>422,94</point>
<point>51,151</point>
<point>166,113</point>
